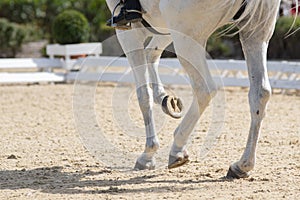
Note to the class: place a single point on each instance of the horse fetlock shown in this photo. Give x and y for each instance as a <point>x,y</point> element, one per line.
<point>179,152</point>
<point>152,145</point>
<point>246,166</point>
<point>158,93</point>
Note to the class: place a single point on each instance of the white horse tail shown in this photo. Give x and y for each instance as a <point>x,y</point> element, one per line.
<point>258,13</point>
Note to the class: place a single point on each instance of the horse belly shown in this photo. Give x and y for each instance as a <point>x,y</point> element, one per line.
<point>153,15</point>
<point>194,15</point>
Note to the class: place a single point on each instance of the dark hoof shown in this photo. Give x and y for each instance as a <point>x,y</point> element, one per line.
<point>148,166</point>
<point>172,106</point>
<point>175,162</point>
<point>237,173</point>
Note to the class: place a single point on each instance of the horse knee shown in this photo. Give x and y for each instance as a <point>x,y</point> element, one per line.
<point>144,98</point>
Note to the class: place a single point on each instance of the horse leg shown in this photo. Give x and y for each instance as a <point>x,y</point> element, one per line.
<point>170,105</point>
<point>204,89</point>
<point>154,50</point>
<point>255,47</point>
<point>132,43</point>
<point>259,94</point>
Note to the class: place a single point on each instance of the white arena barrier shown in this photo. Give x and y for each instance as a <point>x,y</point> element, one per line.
<point>30,70</point>
<point>283,74</point>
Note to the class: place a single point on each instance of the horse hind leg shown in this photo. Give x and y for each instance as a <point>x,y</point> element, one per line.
<point>259,94</point>
<point>204,90</point>
<point>171,105</point>
<point>255,48</point>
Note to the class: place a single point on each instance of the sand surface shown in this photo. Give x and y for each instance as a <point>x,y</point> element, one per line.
<point>43,154</point>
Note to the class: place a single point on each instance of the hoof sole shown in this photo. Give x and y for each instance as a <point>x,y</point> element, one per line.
<point>172,106</point>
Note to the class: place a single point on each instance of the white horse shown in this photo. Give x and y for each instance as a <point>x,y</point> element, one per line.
<point>196,20</point>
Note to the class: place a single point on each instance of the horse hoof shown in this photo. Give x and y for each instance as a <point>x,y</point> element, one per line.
<point>172,106</point>
<point>175,162</point>
<point>147,166</point>
<point>236,173</point>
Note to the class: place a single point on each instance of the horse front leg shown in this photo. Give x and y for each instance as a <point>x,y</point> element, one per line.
<point>171,105</point>
<point>147,159</point>
<point>132,44</point>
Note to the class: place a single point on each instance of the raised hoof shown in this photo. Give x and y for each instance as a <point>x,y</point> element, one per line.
<point>236,174</point>
<point>172,106</point>
<point>148,166</point>
<point>175,162</point>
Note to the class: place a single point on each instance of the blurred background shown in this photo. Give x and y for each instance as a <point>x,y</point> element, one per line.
<point>26,27</point>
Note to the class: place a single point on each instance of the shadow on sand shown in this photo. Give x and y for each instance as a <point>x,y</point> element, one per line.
<point>53,180</point>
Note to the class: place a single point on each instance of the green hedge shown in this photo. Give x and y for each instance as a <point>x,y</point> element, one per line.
<point>280,47</point>
<point>43,12</point>
<point>283,46</point>
<point>12,37</point>
<point>70,27</point>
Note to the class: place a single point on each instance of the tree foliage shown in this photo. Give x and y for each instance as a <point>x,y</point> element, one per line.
<point>41,13</point>
<point>283,45</point>
<point>12,36</point>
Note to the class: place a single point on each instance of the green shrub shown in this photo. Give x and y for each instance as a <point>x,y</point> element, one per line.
<point>224,43</point>
<point>70,27</point>
<point>281,45</point>
<point>219,47</point>
<point>12,36</point>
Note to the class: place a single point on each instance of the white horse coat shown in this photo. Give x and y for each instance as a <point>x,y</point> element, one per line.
<point>191,22</point>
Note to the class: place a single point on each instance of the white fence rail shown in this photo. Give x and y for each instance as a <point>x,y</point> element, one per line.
<point>283,75</point>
